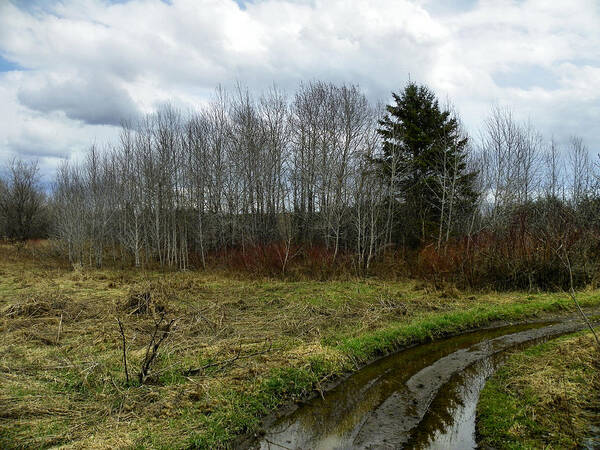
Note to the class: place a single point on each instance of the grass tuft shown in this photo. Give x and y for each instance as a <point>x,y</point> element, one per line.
<point>544,397</point>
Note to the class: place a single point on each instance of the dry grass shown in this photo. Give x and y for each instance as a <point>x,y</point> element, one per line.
<point>545,397</point>
<point>61,373</point>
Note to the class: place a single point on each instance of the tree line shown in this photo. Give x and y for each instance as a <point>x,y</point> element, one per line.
<point>322,168</point>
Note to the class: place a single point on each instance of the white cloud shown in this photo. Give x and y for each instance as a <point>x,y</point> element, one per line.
<point>50,137</point>
<point>90,62</point>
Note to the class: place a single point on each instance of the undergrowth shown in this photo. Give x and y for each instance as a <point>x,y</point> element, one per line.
<point>241,347</point>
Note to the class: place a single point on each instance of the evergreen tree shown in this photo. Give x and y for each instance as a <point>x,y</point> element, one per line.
<point>425,152</point>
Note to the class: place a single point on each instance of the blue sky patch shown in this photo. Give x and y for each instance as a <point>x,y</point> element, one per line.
<point>8,66</point>
<point>242,3</point>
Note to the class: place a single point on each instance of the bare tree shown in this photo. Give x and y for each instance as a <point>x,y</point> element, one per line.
<point>553,164</point>
<point>579,169</point>
<point>22,201</point>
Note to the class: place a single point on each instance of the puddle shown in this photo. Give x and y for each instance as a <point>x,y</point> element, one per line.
<point>450,420</point>
<point>423,397</point>
<point>592,441</point>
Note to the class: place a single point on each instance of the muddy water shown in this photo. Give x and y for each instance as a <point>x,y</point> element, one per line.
<point>423,397</point>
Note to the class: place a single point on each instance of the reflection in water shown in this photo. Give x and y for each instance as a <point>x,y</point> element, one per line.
<point>419,398</point>
<point>592,441</point>
<point>450,420</point>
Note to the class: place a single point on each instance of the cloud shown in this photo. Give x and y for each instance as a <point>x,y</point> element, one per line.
<point>50,137</point>
<point>91,63</point>
<point>93,100</point>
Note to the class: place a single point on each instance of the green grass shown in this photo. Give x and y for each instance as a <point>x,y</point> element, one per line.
<point>543,397</point>
<point>313,331</point>
<point>431,326</point>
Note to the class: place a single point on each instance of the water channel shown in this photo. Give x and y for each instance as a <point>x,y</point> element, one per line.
<point>424,397</point>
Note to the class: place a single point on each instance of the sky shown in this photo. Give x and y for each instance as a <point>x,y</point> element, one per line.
<point>72,70</point>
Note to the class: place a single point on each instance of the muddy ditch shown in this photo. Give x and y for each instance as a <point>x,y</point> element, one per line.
<point>421,397</point>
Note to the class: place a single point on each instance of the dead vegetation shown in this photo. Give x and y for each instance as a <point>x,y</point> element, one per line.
<point>36,306</point>
<point>142,303</point>
<point>545,397</point>
<point>62,351</point>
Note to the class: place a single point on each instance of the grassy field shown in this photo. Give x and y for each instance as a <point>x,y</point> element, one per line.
<point>545,397</point>
<point>238,349</point>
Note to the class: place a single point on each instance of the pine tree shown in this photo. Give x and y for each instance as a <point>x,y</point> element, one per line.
<point>425,152</point>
